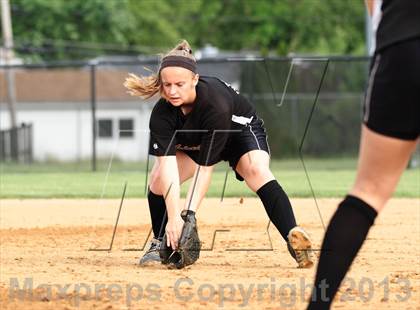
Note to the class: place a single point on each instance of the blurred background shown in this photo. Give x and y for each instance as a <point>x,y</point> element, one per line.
<point>304,64</point>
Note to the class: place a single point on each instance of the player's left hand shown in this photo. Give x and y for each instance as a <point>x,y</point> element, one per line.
<point>189,246</point>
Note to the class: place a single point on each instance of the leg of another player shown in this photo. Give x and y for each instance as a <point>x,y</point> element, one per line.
<point>382,160</point>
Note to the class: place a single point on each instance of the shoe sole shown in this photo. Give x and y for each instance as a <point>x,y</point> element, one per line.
<point>149,263</point>
<point>300,242</point>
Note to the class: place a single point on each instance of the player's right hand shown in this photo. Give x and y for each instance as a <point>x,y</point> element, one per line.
<point>173,231</point>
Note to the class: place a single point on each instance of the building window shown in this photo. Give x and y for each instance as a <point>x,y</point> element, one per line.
<point>126,127</point>
<point>105,128</point>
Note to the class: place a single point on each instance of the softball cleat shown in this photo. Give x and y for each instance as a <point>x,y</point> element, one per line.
<point>151,257</point>
<point>300,247</point>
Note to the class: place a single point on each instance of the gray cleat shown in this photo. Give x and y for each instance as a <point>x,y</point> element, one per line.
<point>300,247</point>
<point>151,257</point>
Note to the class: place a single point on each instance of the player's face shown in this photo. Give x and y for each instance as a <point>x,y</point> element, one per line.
<point>178,85</point>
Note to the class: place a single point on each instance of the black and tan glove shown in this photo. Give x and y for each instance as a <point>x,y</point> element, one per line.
<point>189,244</point>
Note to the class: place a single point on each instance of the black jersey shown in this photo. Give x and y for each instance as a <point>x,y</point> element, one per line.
<point>400,21</point>
<point>218,110</point>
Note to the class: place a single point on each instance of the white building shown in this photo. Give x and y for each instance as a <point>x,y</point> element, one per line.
<point>57,104</point>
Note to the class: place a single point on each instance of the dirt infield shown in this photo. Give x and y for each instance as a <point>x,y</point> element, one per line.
<point>46,262</point>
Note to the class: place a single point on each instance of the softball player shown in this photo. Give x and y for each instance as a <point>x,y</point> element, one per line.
<point>390,133</point>
<point>198,122</point>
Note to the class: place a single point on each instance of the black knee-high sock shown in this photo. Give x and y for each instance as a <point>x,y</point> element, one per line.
<point>345,235</point>
<point>157,209</point>
<point>278,207</point>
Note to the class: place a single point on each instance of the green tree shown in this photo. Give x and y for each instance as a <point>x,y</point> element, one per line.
<point>300,26</point>
<point>58,29</point>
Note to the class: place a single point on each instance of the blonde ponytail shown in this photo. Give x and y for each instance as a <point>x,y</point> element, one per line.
<point>143,86</point>
<point>147,86</point>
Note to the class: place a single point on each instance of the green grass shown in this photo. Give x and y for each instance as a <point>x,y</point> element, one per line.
<point>329,178</point>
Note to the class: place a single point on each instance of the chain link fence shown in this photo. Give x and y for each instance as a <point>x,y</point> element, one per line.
<point>80,111</point>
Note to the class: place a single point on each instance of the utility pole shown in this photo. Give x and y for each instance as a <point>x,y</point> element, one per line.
<point>8,57</point>
<point>368,33</point>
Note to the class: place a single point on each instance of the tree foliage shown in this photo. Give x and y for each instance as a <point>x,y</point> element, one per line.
<point>59,29</point>
<point>56,29</point>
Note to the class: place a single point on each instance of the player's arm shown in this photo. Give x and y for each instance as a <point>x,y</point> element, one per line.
<point>198,187</point>
<point>213,142</point>
<point>169,176</point>
<point>162,145</point>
